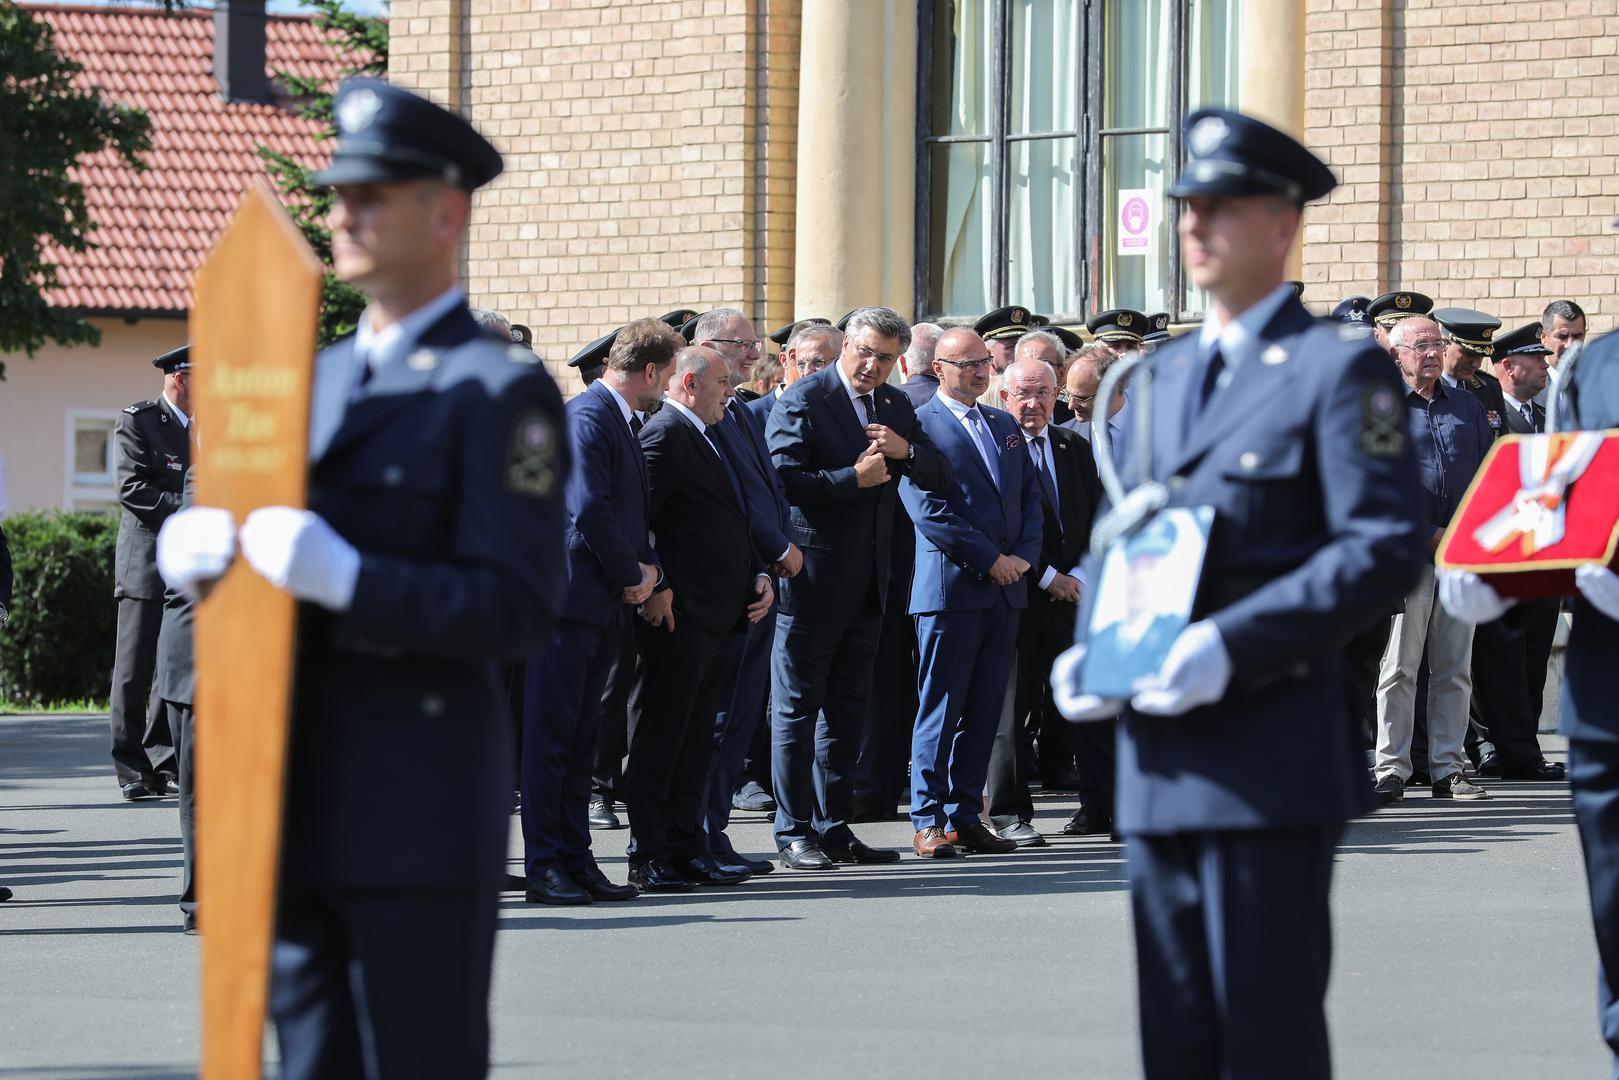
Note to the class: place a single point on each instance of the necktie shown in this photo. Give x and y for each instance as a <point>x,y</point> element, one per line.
<point>1529,415</point>
<point>1211,379</point>
<point>987,442</point>
<point>636,424</point>
<point>1045,478</point>
<point>712,433</point>
<point>871,408</point>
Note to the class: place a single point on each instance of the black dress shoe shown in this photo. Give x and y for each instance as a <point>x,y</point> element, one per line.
<point>659,876</point>
<point>515,883</point>
<point>1540,770</point>
<point>135,790</point>
<point>703,872</point>
<point>856,852</point>
<point>162,784</point>
<point>557,888</point>
<point>593,881</point>
<point>602,816</point>
<point>5,894</point>
<point>735,860</point>
<point>1087,822</point>
<point>1489,765</point>
<point>754,799</point>
<point>1022,834</point>
<point>188,926</point>
<point>805,855</point>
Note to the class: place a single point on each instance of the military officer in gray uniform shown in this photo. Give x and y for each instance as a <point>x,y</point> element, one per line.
<point>1237,762</point>
<point>429,552</point>
<point>173,686</point>
<point>154,450</point>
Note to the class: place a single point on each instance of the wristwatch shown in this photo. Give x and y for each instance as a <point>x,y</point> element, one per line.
<point>910,452</point>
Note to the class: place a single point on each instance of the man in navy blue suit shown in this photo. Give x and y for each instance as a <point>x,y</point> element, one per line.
<point>431,549</point>
<point>611,567</point>
<point>841,438</point>
<point>1317,530</point>
<point>974,542</point>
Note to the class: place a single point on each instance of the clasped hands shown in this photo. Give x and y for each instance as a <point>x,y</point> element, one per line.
<point>1471,599</point>
<point>294,550</point>
<point>886,445</point>
<point>1196,672</point>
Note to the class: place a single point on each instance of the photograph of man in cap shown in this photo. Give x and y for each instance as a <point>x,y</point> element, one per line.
<point>1231,844</point>
<point>430,551</point>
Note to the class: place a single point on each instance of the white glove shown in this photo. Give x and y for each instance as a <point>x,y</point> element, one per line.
<point>1599,585</point>
<point>195,547</point>
<point>1066,695</point>
<point>1470,598</point>
<point>298,553</point>
<point>1196,672</point>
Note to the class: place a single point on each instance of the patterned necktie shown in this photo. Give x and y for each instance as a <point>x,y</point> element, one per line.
<point>987,441</point>
<point>871,408</point>
<point>1045,477</point>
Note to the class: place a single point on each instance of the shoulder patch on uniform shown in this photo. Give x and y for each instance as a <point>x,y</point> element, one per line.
<point>1382,421</point>
<point>140,406</point>
<point>1354,332</point>
<point>531,454</point>
<point>521,354</point>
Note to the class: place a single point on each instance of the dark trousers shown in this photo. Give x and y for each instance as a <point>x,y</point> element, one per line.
<point>141,742</point>
<point>1363,656</point>
<point>1593,769</point>
<point>820,683</point>
<point>562,694</point>
<point>966,659</point>
<point>742,706</point>
<point>1509,677</point>
<point>614,741</point>
<point>1044,630</point>
<point>382,983</point>
<point>1213,913</point>
<point>885,740</point>
<point>685,673</point>
<point>181,725</point>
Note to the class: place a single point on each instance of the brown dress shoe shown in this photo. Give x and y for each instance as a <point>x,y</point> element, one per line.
<point>931,844</point>
<point>977,838</point>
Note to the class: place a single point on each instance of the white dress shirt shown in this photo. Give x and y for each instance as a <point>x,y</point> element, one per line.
<point>1239,338</point>
<point>394,341</point>
<point>185,421</point>
<point>965,413</point>
<point>1044,455</point>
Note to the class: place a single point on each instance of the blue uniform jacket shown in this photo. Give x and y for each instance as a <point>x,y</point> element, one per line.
<point>607,500</point>
<point>845,531</point>
<point>1319,529</point>
<point>962,530</point>
<point>446,473</point>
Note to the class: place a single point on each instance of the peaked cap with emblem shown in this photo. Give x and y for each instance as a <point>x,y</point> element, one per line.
<point>387,134</point>
<point>522,335</point>
<point>688,329</point>
<point>1157,329</point>
<point>1472,330</point>
<point>843,323</point>
<point>594,354</point>
<point>1533,348</point>
<point>1012,321</point>
<point>1523,335</point>
<point>1233,154</point>
<point>785,334</point>
<point>1351,309</point>
<point>1118,326</point>
<point>180,360</point>
<point>1391,307</point>
<point>1298,289</point>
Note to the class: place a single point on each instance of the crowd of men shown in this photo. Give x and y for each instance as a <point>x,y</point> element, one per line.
<point>829,597</point>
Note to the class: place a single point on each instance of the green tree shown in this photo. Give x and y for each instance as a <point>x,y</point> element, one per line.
<point>364,39</point>
<point>47,125</point>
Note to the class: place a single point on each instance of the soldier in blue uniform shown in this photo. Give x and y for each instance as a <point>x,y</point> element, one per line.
<point>430,551</point>
<point>1238,763</point>
<point>1587,398</point>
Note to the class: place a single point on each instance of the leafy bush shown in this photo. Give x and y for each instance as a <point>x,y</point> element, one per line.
<point>59,642</point>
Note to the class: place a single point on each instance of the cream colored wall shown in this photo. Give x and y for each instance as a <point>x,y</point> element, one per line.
<point>37,394</point>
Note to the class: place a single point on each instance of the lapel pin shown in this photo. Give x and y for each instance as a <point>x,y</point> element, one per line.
<point>422,360</point>
<point>1273,355</point>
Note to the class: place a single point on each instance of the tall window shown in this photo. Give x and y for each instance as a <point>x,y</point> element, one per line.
<point>92,469</point>
<point>1050,132</point>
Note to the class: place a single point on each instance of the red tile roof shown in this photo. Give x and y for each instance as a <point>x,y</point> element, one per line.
<point>154,227</point>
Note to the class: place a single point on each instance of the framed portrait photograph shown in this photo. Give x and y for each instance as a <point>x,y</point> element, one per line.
<point>1144,599</point>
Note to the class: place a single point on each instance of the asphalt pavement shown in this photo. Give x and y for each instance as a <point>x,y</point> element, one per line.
<point>1463,948</point>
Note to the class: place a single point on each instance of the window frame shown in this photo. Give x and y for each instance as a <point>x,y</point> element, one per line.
<point>75,488</point>
<point>1089,197</point>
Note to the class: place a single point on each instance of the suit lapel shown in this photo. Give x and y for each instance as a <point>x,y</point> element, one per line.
<point>964,441</point>
<point>843,408</point>
<point>334,377</point>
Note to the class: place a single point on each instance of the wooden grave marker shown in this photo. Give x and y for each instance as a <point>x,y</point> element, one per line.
<point>253,331</point>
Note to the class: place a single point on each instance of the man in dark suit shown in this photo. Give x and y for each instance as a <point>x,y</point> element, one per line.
<point>1069,493</point>
<point>1318,528</point>
<point>154,450</point>
<point>1467,337</point>
<point>840,439</point>
<point>880,783</point>
<point>431,550</point>
<point>611,567</point>
<point>974,543</point>
<point>174,684</point>
<point>694,626</point>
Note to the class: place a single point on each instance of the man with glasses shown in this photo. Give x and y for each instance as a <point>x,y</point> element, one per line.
<point>1450,434</point>
<point>840,439</point>
<point>731,334</point>
<point>1085,373</point>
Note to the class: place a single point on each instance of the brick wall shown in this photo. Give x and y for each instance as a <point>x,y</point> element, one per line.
<point>1479,150</point>
<point>648,154</point>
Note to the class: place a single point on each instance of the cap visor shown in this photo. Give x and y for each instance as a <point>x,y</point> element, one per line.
<point>367,170</point>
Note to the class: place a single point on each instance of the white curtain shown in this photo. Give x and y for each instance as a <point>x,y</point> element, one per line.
<point>1213,34</point>
<point>1136,69</point>
<point>1042,175</point>
<point>965,271</point>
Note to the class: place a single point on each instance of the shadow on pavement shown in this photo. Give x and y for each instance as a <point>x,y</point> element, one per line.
<point>55,748</point>
<point>1418,824</point>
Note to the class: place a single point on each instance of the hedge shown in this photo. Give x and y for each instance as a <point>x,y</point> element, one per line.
<point>58,644</point>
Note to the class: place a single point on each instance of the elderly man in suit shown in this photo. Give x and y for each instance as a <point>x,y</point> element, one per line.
<point>841,438</point>
<point>1317,530</point>
<point>975,541</point>
<point>1069,493</point>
